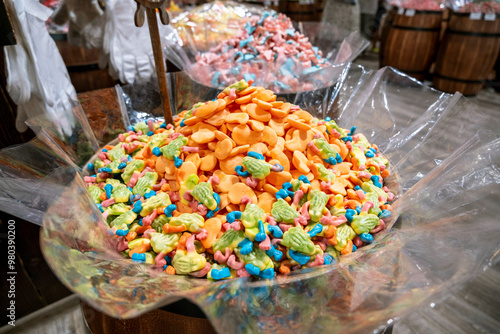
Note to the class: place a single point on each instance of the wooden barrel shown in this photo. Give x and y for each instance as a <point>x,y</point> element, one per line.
<point>165,320</point>
<point>412,41</point>
<point>82,65</point>
<point>319,6</point>
<point>300,10</point>
<point>467,54</point>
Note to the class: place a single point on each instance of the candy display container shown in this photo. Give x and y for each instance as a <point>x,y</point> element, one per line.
<point>412,41</point>
<point>445,240</point>
<point>467,54</point>
<point>280,55</point>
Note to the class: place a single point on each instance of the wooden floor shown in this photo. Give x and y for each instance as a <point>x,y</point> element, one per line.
<point>65,316</point>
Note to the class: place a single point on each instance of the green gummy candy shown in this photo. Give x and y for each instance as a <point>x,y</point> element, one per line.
<point>333,125</point>
<point>238,86</point>
<point>204,194</point>
<point>117,209</point>
<point>173,149</point>
<point>113,182</point>
<point>360,155</point>
<point>318,200</point>
<point>257,257</point>
<point>123,220</point>
<point>230,239</point>
<point>95,193</point>
<point>185,263</point>
<point>158,223</point>
<point>116,153</point>
<point>164,243</point>
<point>158,201</point>
<point>189,114</point>
<point>325,174</point>
<point>364,223</point>
<point>343,235</point>
<point>192,221</point>
<point>145,183</point>
<point>98,163</point>
<point>370,187</point>
<point>141,126</point>
<point>298,240</point>
<point>121,193</point>
<point>258,168</point>
<point>135,165</point>
<point>283,212</point>
<point>251,216</point>
<point>114,166</point>
<point>157,140</point>
<point>326,149</point>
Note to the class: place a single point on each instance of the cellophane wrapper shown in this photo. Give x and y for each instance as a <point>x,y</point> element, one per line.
<point>435,269</point>
<point>183,44</point>
<point>474,6</point>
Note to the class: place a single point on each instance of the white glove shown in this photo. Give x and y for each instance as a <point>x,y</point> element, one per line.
<point>127,49</point>
<point>37,79</point>
<point>86,22</point>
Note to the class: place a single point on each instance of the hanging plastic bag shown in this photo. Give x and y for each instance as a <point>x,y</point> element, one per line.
<point>37,79</point>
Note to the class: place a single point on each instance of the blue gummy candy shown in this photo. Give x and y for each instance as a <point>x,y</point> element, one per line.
<point>105,150</point>
<point>239,169</point>
<point>169,210</point>
<point>150,194</point>
<point>137,207</point>
<point>282,193</point>
<point>99,206</point>
<point>318,228</point>
<point>366,238</point>
<point>150,133</point>
<point>255,155</point>
<point>232,216</point>
<point>304,179</point>
<point>369,154</point>
<point>328,119</point>
<point>139,257</point>
<point>156,151</point>
<point>178,162</point>
<point>246,246</point>
<point>218,274</point>
<point>252,270</point>
<point>122,165</point>
<point>267,273</point>
<point>249,76</point>
<point>276,231</point>
<point>182,123</point>
<point>91,166</point>
<point>163,125</point>
<point>385,214</point>
<point>121,233</point>
<point>349,214</point>
<point>354,248</point>
<point>108,189</point>
<point>298,257</point>
<point>261,236</point>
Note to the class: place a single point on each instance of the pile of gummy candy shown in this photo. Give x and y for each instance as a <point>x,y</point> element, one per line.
<point>268,48</point>
<point>242,185</point>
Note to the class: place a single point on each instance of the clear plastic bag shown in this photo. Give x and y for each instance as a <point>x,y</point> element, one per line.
<point>194,46</point>
<point>434,264</point>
